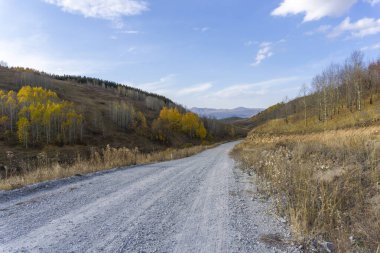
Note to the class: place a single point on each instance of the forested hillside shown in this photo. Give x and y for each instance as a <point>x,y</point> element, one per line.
<point>67,116</point>
<point>343,95</point>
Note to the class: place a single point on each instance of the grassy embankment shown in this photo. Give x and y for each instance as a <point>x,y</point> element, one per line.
<point>326,184</point>
<point>107,158</point>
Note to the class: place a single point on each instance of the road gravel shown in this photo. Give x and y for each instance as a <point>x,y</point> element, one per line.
<point>202,203</point>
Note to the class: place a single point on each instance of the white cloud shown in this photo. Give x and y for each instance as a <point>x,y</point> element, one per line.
<point>265,51</point>
<point>105,9</point>
<point>314,9</point>
<point>195,89</point>
<point>361,28</point>
<point>260,88</point>
<point>371,47</point>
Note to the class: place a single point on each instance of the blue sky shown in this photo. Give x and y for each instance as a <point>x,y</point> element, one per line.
<point>214,53</point>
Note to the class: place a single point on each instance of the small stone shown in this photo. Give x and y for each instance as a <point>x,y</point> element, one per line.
<point>327,246</point>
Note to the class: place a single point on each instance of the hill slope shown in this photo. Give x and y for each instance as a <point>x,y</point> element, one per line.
<point>113,114</point>
<point>342,96</point>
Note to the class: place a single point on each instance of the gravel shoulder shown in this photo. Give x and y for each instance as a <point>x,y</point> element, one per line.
<point>198,204</point>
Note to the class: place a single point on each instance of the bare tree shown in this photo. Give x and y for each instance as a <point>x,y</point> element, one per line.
<point>303,93</point>
<point>357,66</point>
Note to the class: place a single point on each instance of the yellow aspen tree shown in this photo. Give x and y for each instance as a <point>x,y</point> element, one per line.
<point>201,131</point>
<point>23,126</point>
<point>141,121</point>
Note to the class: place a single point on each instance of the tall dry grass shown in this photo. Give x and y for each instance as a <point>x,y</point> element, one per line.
<point>327,185</point>
<point>104,159</point>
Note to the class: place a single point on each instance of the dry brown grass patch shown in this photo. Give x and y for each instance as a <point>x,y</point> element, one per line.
<point>104,159</point>
<point>326,184</point>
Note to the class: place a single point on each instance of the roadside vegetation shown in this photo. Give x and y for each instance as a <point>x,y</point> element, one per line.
<point>326,185</point>
<point>44,168</point>
<point>318,158</point>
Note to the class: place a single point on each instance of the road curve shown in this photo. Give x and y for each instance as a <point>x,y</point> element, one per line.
<point>197,204</point>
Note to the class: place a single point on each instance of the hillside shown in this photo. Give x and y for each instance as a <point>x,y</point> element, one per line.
<point>239,112</point>
<point>318,155</point>
<point>342,96</point>
<point>107,114</point>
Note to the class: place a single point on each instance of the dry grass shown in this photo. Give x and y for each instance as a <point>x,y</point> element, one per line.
<point>345,119</point>
<point>327,184</point>
<point>106,158</point>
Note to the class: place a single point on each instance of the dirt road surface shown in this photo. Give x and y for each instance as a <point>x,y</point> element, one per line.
<point>198,204</point>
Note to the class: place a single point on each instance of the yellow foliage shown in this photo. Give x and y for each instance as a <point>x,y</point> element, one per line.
<point>188,123</point>
<point>3,119</point>
<point>173,116</point>
<point>141,121</point>
<point>41,115</point>
<point>23,126</point>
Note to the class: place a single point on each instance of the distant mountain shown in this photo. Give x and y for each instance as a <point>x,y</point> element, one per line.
<point>239,112</point>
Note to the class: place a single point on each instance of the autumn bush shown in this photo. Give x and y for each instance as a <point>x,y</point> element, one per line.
<point>326,185</point>
<point>171,119</point>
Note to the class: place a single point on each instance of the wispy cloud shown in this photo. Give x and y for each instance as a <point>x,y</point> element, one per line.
<point>361,28</point>
<point>195,89</point>
<point>162,86</point>
<point>371,47</point>
<point>250,43</point>
<point>249,89</point>
<point>201,29</point>
<point>130,32</point>
<point>265,51</point>
<point>322,29</point>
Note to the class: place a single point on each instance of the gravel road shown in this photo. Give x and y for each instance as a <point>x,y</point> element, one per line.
<point>197,204</point>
